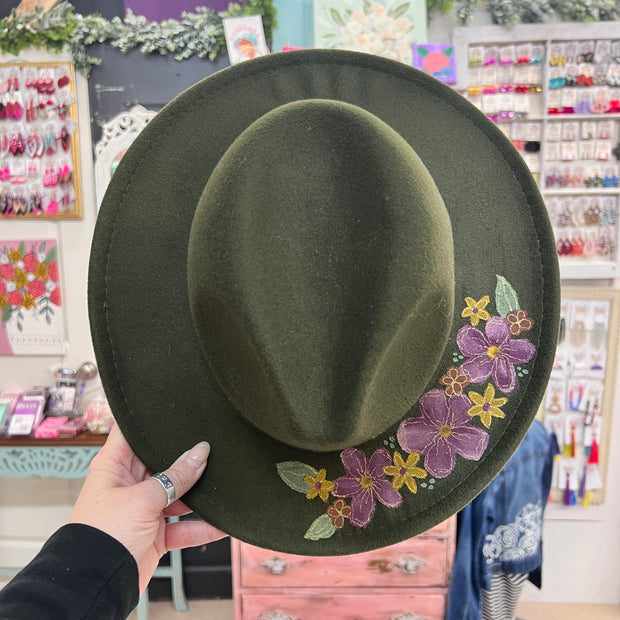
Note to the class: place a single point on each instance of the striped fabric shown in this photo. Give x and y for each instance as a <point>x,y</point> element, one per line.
<point>500,602</point>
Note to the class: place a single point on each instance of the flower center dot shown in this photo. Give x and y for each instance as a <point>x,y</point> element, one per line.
<point>445,430</point>
<point>475,311</point>
<point>403,471</point>
<point>317,486</point>
<point>493,352</point>
<point>486,406</point>
<point>366,482</point>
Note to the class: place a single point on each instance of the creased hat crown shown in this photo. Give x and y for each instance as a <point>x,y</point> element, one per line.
<point>320,274</point>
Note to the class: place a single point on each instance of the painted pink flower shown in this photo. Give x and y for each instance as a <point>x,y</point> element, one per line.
<point>493,353</point>
<point>30,262</point>
<point>55,296</point>
<point>15,298</point>
<point>7,271</point>
<point>442,431</point>
<point>37,288</point>
<point>365,482</point>
<point>52,271</point>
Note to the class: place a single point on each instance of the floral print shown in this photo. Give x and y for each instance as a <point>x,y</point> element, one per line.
<point>454,381</point>
<point>443,431</point>
<point>493,354</point>
<point>365,483</point>
<point>450,424</point>
<point>487,406</point>
<point>475,310</point>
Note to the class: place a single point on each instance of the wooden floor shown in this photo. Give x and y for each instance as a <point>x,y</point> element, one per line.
<point>223,610</point>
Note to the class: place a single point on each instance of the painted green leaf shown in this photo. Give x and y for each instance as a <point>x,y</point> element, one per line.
<point>448,51</point>
<point>22,248</point>
<point>337,18</point>
<point>6,314</point>
<point>367,6</point>
<point>506,299</point>
<point>293,472</point>
<point>399,11</point>
<point>423,51</point>
<point>52,255</point>
<point>320,528</point>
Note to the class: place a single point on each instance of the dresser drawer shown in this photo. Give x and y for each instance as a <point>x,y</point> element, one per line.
<point>417,562</point>
<point>395,606</point>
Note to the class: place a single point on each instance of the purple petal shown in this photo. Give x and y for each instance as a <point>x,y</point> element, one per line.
<point>471,341</point>
<point>386,494</point>
<point>497,331</point>
<point>434,406</point>
<point>347,487</point>
<point>478,368</point>
<point>354,462</point>
<point>459,406</point>
<point>504,375</point>
<point>439,459</point>
<point>380,459</point>
<point>469,441</point>
<point>362,509</point>
<point>415,434</point>
<point>519,351</point>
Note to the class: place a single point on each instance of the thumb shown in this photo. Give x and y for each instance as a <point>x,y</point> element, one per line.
<point>183,474</point>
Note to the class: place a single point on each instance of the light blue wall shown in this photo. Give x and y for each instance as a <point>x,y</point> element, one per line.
<point>294,24</point>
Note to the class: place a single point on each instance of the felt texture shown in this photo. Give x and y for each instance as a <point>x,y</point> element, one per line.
<point>160,385</point>
<point>322,307</point>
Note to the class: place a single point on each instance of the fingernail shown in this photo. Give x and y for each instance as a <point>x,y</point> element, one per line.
<point>197,456</point>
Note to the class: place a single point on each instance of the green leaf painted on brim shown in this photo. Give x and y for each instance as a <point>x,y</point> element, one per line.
<point>506,299</point>
<point>293,472</point>
<point>320,528</point>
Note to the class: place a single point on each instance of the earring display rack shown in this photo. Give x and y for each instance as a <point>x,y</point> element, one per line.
<point>39,143</point>
<point>554,90</point>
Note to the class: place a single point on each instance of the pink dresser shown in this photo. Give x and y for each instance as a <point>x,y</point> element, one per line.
<point>407,581</point>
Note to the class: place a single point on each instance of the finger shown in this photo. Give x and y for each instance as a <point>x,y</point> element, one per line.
<point>183,474</point>
<point>177,509</point>
<point>184,534</point>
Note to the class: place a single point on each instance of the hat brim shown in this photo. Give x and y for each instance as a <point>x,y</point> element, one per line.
<point>159,386</point>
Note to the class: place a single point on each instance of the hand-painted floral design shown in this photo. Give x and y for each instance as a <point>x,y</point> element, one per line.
<point>448,425</point>
<point>28,282</point>
<point>519,322</point>
<point>442,431</point>
<point>487,406</point>
<point>475,310</point>
<point>405,472</point>
<point>454,381</point>
<point>365,483</point>
<point>338,512</point>
<point>319,486</point>
<point>493,354</point>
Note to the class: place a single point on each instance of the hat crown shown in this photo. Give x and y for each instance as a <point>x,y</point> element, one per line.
<point>320,275</point>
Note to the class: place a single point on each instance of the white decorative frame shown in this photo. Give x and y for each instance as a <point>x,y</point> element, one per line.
<point>117,135</point>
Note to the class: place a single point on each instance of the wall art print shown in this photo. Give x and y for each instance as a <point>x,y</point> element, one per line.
<point>387,28</point>
<point>31,318</point>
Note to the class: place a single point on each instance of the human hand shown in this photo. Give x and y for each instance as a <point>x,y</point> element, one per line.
<point>120,498</point>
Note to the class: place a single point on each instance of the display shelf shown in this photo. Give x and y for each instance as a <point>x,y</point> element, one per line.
<point>588,157</point>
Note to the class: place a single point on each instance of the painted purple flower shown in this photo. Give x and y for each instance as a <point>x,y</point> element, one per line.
<point>493,353</point>
<point>443,430</point>
<point>365,483</point>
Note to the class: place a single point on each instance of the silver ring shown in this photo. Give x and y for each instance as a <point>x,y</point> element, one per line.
<point>168,486</point>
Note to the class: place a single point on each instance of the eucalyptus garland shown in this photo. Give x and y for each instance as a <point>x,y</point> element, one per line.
<point>511,12</point>
<point>200,33</point>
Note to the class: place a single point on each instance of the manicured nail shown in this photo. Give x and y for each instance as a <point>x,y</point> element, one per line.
<point>197,456</point>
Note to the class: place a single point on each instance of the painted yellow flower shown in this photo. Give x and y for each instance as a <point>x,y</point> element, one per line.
<point>476,310</point>
<point>20,278</point>
<point>14,255</point>
<point>4,302</point>
<point>487,406</point>
<point>319,486</point>
<point>405,472</point>
<point>41,271</point>
<point>28,301</point>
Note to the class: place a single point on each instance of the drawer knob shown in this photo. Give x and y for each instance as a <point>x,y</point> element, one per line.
<point>409,565</point>
<point>276,615</point>
<point>277,566</point>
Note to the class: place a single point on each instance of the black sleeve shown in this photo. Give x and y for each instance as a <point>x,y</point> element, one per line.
<point>80,573</point>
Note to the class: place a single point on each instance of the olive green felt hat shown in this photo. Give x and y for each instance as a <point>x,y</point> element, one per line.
<point>338,272</point>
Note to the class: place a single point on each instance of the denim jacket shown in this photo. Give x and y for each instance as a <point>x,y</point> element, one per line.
<point>500,531</point>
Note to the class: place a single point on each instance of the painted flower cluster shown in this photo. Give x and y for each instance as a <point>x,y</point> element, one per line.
<point>28,282</point>
<point>454,421</point>
<point>376,29</point>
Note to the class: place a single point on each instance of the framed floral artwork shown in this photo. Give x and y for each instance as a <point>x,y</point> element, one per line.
<point>31,318</point>
<point>388,28</point>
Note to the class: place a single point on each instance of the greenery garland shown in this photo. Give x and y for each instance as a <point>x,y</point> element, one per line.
<point>511,12</point>
<point>200,33</point>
